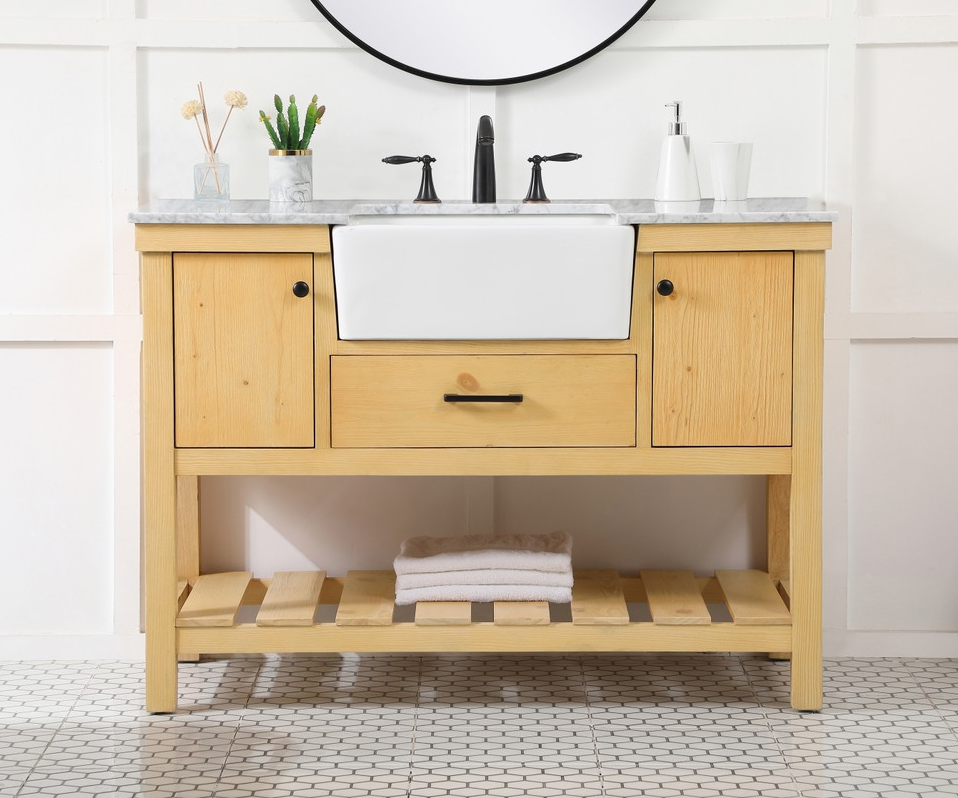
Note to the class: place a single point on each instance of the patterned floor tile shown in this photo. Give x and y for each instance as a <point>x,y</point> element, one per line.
<point>712,741</point>
<point>500,737</point>
<point>876,686</point>
<point>315,743</point>
<point>703,680</point>
<point>699,783</point>
<point>327,780</point>
<point>212,687</point>
<point>516,782</point>
<point>938,680</point>
<point>839,752</point>
<point>163,744</point>
<point>481,725</point>
<point>35,699</point>
<point>475,680</point>
<point>336,680</point>
<point>11,779</point>
<point>331,742</point>
<point>142,784</point>
<point>504,749</point>
<point>22,743</point>
<point>40,694</point>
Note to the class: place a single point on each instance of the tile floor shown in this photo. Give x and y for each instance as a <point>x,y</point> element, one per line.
<point>480,725</point>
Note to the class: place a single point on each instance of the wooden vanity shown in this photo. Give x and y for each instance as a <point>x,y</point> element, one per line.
<point>720,375</point>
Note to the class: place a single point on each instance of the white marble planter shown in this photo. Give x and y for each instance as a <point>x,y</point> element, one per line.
<point>290,175</point>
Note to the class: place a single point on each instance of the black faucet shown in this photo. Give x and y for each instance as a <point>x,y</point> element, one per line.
<point>484,172</point>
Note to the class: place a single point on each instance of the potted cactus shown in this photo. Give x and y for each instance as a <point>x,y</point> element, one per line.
<point>290,159</point>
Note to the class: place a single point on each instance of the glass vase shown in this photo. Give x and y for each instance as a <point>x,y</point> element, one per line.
<point>211,180</point>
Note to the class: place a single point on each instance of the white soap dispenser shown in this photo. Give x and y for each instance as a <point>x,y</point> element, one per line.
<point>678,179</point>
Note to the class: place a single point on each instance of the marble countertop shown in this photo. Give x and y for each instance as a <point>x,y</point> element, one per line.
<point>625,211</point>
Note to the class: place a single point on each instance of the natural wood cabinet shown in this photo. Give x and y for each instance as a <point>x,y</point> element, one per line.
<point>243,350</point>
<point>722,349</point>
<point>721,376</point>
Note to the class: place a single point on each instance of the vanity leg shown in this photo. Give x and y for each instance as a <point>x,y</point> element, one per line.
<point>161,595</point>
<point>805,505</point>
<point>188,536</point>
<point>778,491</point>
<point>159,488</point>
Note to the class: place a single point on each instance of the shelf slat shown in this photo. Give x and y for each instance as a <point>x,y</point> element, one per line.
<point>752,598</point>
<point>597,599</point>
<point>182,591</point>
<point>675,598</point>
<point>484,636</point>
<point>443,613</point>
<point>214,600</point>
<point>521,613</point>
<point>291,599</point>
<point>368,599</point>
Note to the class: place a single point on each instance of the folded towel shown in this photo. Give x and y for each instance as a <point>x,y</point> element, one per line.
<point>424,554</point>
<point>489,576</point>
<point>558,595</point>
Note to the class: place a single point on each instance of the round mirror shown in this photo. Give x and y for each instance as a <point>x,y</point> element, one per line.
<point>490,42</point>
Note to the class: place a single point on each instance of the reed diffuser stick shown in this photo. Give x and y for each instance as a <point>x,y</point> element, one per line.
<point>209,137</point>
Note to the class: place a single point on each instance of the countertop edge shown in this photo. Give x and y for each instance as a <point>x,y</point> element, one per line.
<point>331,212</point>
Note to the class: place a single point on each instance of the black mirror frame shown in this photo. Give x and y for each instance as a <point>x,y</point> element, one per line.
<point>476,82</point>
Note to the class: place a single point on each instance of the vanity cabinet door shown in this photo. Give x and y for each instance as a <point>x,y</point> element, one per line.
<point>243,349</point>
<point>722,349</point>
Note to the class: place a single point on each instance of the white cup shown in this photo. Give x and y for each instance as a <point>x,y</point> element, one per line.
<point>731,162</point>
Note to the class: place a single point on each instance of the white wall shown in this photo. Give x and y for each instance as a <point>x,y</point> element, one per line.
<point>845,101</point>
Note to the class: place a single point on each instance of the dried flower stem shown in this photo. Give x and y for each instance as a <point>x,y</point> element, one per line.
<point>222,129</point>
<point>200,131</point>
<point>209,136</point>
<point>206,119</point>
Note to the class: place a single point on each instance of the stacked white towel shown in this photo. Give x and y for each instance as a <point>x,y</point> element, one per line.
<point>485,568</point>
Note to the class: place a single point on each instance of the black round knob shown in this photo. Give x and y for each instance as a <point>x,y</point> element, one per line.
<point>665,287</point>
<point>300,289</point>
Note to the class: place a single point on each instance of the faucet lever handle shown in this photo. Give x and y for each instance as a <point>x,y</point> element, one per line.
<point>427,191</point>
<point>536,192</point>
<point>562,156</point>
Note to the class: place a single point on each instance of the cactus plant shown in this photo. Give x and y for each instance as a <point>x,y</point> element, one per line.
<point>286,135</point>
<point>313,115</point>
<point>273,135</point>
<point>293,124</point>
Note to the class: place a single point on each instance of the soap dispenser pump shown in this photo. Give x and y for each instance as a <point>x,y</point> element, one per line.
<point>678,179</point>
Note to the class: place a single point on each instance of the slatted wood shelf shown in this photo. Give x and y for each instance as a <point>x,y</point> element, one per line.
<point>600,616</point>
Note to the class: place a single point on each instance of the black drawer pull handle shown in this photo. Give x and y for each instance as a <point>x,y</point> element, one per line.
<point>665,287</point>
<point>458,397</point>
<point>300,289</point>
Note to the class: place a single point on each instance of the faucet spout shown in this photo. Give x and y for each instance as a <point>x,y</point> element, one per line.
<point>484,171</point>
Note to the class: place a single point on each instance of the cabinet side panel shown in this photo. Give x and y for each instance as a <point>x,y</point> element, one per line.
<point>805,502</point>
<point>722,349</point>
<point>243,350</point>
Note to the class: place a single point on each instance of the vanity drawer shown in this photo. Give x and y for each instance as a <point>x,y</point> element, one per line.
<point>482,400</point>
